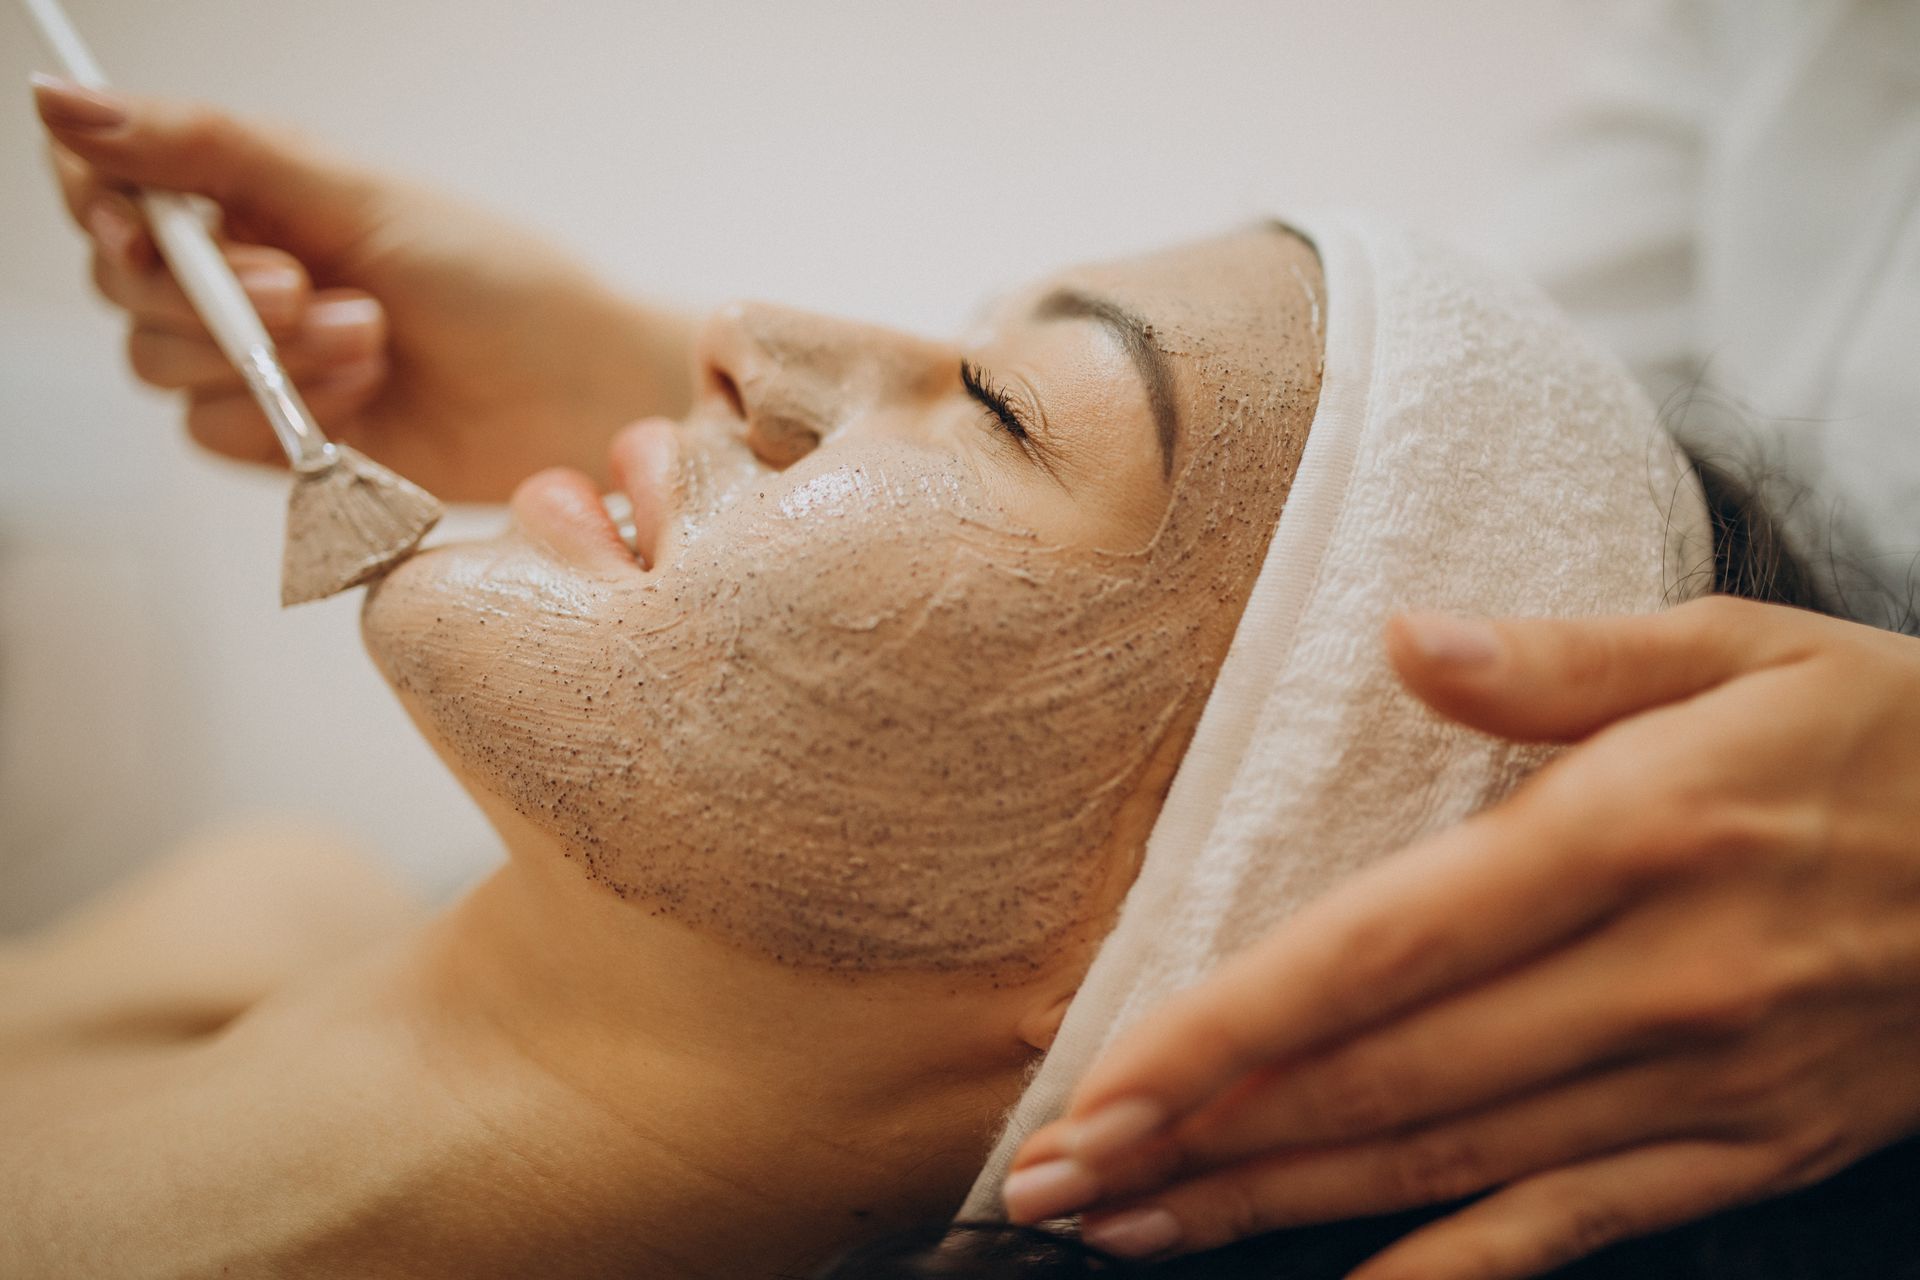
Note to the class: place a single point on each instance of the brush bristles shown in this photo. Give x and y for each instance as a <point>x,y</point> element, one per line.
<point>350,523</point>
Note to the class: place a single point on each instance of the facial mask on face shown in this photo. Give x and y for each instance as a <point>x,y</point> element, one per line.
<point>861,720</point>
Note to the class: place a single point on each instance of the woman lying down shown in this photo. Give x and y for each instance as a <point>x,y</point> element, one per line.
<point>942,702</point>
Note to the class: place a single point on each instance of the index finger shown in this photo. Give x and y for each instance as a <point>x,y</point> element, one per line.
<point>1498,887</point>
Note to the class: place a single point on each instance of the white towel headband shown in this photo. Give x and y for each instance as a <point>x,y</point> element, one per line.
<point>1470,452</point>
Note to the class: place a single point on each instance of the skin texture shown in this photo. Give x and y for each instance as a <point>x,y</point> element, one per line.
<point>1614,1021</point>
<point>891,676</point>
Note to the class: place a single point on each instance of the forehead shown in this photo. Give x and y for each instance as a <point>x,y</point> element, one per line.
<point>1225,296</point>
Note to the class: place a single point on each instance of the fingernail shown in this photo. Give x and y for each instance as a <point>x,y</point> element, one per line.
<point>113,228</point>
<point>1115,1128</point>
<point>1458,642</point>
<point>66,105</point>
<point>1136,1233</point>
<point>337,314</point>
<point>1049,1190</point>
<point>271,287</point>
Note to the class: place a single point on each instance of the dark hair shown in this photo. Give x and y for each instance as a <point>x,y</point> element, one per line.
<point>1861,1224</point>
<point>1830,564</point>
<point>1751,557</point>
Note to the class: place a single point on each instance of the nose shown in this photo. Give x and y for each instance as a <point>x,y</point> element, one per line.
<point>792,378</point>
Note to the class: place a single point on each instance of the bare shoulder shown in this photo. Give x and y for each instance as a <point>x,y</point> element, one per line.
<point>207,929</point>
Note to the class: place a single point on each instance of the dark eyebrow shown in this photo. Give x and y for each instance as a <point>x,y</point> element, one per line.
<point>1136,336</point>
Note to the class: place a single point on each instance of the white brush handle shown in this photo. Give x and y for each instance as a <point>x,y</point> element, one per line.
<point>203,272</point>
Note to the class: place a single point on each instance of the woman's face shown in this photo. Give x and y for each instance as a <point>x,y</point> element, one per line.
<point>910,623</point>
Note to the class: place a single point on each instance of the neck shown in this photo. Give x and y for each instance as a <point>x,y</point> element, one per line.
<point>703,1112</point>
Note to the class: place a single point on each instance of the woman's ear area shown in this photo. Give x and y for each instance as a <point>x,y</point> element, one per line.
<point>1045,1004</point>
<point>1040,1024</point>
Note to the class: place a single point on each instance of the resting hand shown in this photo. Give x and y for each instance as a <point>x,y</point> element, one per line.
<point>1678,970</point>
<point>462,352</point>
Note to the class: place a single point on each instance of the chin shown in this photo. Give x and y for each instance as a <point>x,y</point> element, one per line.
<point>474,636</point>
<point>452,594</point>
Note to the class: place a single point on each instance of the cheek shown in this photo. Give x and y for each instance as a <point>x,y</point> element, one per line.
<point>916,749</point>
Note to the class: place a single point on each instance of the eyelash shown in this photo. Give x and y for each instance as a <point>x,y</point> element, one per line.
<point>993,400</point>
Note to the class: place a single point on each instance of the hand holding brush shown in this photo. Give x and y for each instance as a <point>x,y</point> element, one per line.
<point>349,518</point>
<point>459,349</point>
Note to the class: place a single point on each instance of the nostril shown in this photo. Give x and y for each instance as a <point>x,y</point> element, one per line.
<point>724,383</point>
<point>780,441</point>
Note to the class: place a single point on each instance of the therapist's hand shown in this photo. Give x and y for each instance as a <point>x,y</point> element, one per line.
<point>1678,970</point>
<point>460,351</point>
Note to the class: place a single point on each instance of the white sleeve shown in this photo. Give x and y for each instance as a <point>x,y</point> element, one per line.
<point>1608,221</point>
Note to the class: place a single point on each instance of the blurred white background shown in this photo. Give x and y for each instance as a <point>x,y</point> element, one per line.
<point>891,160</point>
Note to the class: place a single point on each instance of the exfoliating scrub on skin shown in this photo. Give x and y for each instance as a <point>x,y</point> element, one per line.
<point>858,713</point>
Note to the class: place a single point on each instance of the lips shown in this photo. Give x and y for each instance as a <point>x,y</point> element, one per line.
<point>561,509</point>
<point>612,533</point>
<point>645,461</point>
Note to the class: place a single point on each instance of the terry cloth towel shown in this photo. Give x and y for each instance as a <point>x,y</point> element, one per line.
<point>1471,452</point>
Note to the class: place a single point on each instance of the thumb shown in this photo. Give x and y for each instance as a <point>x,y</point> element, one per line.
<point>277,185</point>
<point>1559,680</point>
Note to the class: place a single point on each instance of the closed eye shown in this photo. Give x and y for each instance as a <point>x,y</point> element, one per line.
<point>993,400</point>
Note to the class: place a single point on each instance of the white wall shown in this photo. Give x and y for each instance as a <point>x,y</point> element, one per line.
<point>888,159</point>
